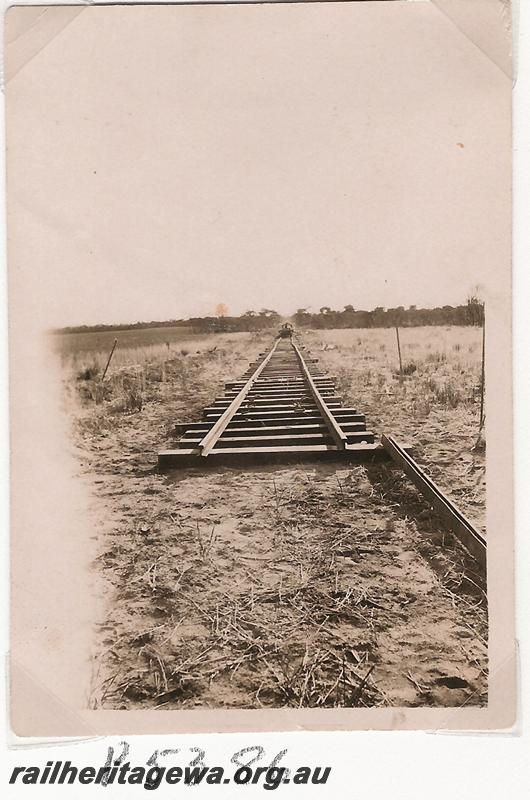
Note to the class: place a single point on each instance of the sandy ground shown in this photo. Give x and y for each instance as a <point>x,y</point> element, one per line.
<point>303,585</point>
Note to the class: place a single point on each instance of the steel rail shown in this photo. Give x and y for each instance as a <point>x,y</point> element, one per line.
<point>340,438</point>
<point>207,444</point>
<point>473,541</point>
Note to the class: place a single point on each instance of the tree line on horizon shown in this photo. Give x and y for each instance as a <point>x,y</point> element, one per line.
<point>470,313</point>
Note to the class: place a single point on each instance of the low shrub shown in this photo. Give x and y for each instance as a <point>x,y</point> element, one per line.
<point>131,398</point>
<point>446,394</point>
<point>436,357</point>
<point>409,368</point>
<point>421,408</point>
<point>88,373</point>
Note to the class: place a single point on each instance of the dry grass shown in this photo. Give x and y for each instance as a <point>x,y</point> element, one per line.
<point>150,374</point>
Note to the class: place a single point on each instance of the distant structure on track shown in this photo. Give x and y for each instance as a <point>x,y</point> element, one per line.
<point>286,331</point>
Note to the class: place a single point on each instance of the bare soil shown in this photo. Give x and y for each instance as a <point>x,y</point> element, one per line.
<point>301,585</point>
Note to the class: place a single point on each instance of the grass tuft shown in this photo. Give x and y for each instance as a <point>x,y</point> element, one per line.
<point>89,373</point>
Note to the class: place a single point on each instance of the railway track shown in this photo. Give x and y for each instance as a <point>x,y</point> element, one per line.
<point>284,408</point>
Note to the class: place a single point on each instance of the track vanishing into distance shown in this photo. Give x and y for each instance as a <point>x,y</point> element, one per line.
<point>284,408</point>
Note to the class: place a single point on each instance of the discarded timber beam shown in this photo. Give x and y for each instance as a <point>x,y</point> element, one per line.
<point>472,539</point>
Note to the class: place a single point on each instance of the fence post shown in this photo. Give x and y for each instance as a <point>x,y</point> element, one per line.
<point>483,370</point>
<point>399,351</point>
<point>109,358</point>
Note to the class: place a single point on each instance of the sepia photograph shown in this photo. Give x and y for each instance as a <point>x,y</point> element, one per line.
<point>260,314</point>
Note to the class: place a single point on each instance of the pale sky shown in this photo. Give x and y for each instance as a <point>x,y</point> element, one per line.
<point>162,160</point>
